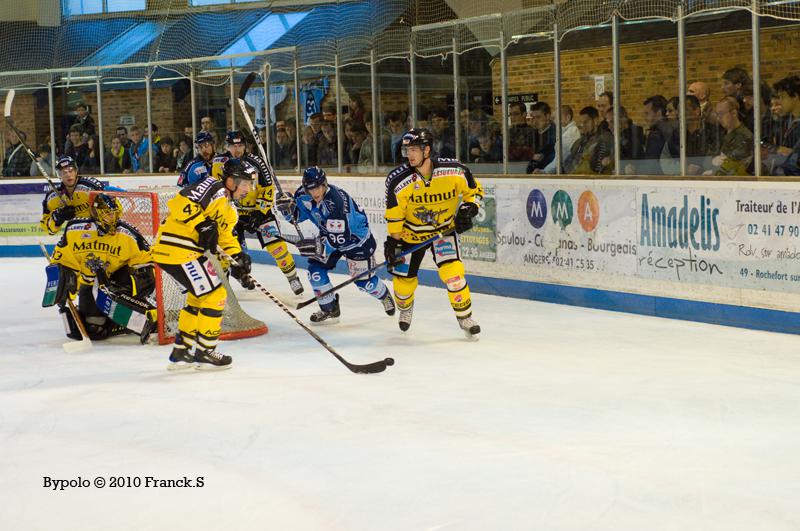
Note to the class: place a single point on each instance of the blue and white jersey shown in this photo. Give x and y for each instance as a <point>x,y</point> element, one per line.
<point>196,170</point>
<point>341,222</point>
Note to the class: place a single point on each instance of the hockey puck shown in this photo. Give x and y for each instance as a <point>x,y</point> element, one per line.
<point>389,362</point>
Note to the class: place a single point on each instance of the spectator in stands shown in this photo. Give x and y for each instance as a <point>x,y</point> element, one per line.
<point>348,141</point>
<point>444,138</point>
<point>156,139</point>
<point>165,161</point>
<point>736,150</point>
<point>84,119</point>
<point>77,148</point>
<point>291,129</point>
<point>44,159</point>
<point>735,81</point>
<point>16,162</point>
<point>659,131</point>
<point>122,134</point>
<point>700,140</point>
<point>315,122</point>
<point>605,101</point>
<point>544,138</point>
<point>569,135</point>
<point>140,160</point>
<point>327,148</point>
<point>700,90</point>
<point>356,108</point>
<point>117,158</point>
<point>207,124</point>
<point>185,153</point>
<point>397,129</point>
<point>329,113</point>
<point>787,91</point>
<point>520,141</point>
<point>672,114</point>
<point>308,148</point>
<point>92,164</point>
<point>488,148</point>
<point>358,134</point>
<point>473,123</point>
<point>285,150</point>
<point>593,153</point>
<point>631,140</point>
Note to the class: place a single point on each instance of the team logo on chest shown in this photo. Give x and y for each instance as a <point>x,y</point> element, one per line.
<point>427,216</point>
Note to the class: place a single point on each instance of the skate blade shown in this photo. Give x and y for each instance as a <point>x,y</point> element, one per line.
<point>332,320</point>
<point>73,347</point>
<point>212,367</point>
<point>471,337</point>
<point>180,365</point>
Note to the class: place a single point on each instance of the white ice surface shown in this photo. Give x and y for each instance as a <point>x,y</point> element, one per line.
<point>559,418</point>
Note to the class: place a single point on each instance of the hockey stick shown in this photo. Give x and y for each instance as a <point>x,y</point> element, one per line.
<point>371,270</point>
<point>73,346</point>
<point>369,368</point>
<point>248,82</point>
<point>31,154</point>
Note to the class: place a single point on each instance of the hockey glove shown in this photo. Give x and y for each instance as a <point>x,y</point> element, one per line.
<point>464,216</point>
<point>390,250</point>
<point>240,270</point>
<point>312,248</point>
<point>285,205</point>
<point>63,214</point>
<point>207,235</point>
<point>255,219</point>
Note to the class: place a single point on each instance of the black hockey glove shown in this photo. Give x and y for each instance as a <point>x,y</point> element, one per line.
<point>390,249</point>
<point>255,219</point>
<point>464,216</point>
<point>63,214</point>
<point>240,270</point>
<point>67,284</point>
<point>285,205</point>
<point>207,235</point>
<point>312,248</point>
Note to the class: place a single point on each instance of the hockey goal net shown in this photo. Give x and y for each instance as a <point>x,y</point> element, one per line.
<point>145,210</point>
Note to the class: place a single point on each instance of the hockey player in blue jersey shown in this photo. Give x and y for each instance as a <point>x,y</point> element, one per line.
<point>343,232</point>
<point>199,167</point>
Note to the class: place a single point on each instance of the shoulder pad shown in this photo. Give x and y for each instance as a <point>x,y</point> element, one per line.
<point>80,224</point>
<point>399,173</point>
<point>90,182</point>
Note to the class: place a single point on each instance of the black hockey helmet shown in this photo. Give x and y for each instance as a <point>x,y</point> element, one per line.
<point>234,137</point>
<point>237,170</point>
<point>106,210</point>
<point>418,136</point>
<point>66,162</point>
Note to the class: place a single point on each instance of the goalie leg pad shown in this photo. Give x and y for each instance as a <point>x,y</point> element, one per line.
<point>133,314</point>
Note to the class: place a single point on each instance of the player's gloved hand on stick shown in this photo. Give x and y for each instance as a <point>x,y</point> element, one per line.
<point>98,268</point>
<point>240,270</point>
<point>208,235</point>
<point>255,219</point>
<point>311,247</point>
<point>63,214</point>
<point>464,216</point>
<point>391,248</point>
<point>285,205</point>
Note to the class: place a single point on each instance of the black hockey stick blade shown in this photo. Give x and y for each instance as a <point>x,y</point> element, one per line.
<point>248,82</point>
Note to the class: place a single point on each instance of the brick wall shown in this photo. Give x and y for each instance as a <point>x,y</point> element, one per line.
<point>650,68</point>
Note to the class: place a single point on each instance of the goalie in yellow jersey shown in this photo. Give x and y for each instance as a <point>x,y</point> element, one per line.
<point>201,217</point>
<point>424,197</point>
<point>255,209</point>
<point>107,263</point>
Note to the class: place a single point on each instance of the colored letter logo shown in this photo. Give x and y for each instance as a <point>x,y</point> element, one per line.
<point>562,208</point>
<point>537,209</point>
<point>588,211</point>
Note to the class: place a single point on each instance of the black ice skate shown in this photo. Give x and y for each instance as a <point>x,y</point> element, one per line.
<point>405,317</point>
<point>469,326</point>
<point>180,358</point>
<point>211,360</point>
<point>388,303</point>
<point>296,285</point>
<point>329,317</point>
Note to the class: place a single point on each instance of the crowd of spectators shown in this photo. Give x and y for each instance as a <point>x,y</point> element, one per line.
<point>719,136</point>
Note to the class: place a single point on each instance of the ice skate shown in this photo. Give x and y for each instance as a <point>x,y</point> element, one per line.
<point>211,360</point>
<point>388,303</point>
<point>470,327</point>
<point>405,317</point>
<point>296,285</point>
<point>327,317</point>
<point>180,358</point>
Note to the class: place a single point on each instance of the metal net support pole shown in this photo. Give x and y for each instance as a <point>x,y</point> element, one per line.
<point>99,146</point>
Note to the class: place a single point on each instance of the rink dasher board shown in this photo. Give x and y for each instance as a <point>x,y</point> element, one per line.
<point>723,252</point>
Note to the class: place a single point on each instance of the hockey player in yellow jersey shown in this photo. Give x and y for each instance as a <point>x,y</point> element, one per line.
<point>426,196</point>
<point>255,209</point>
<point>70,199</point>
<point>107,263</point>
<point>201,217</point>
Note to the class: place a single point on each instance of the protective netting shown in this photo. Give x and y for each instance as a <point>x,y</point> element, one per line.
<point>172,38</point>
<point>144,210</point>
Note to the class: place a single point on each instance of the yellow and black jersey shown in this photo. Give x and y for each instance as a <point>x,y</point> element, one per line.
<point>176,242</point>
<point>85,245</point>
<point>419,208</point>
<point>78,198</point>
<point>263,194</point>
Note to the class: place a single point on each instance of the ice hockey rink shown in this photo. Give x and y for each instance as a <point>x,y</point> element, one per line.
<point>559,418</point>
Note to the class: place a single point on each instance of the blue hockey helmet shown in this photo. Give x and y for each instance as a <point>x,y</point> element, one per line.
<point>314,177</point>
<point>204,137</point>
<point>234,137</point>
